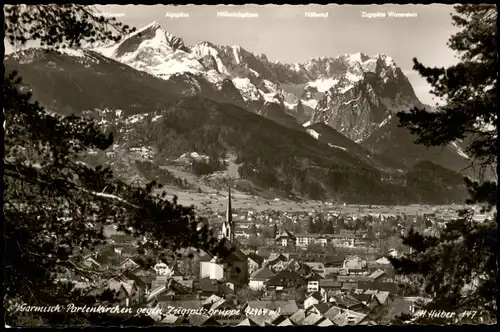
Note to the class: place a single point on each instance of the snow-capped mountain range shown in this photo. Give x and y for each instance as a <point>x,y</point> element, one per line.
<point>353,93</point>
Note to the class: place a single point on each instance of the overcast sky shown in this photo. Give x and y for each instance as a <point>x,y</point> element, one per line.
<point>283,33</point>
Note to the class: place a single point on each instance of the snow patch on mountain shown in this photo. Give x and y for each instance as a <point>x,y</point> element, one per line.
<point>270,86</point>
<point>236,53</point>
<point>345,88</point>
<point>175,63</point>
<point>350,101</point>
<point>256,74</point>
<point>312,103</point>
<point>386,121</point>
<point>387,59</point>
<point>323,84</point>
<point>155,51</point>
<point>290,106</point>
<point>337,147</point>
<point>355,58</point>
<point>247,90</point>
<point>369,66</point>
<point>213,76</point>
<point>204,49</point>
<point>270,97</point>
<point>459,150</point>
<point>313,133</point>
<point>354,76</point>
<point>72,52</point>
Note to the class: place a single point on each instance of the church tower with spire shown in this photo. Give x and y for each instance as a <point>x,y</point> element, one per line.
<point>228,225</point>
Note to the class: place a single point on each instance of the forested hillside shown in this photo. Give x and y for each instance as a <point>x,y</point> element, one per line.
<point>271,156</point>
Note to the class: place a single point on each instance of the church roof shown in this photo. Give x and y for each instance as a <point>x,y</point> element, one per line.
<point>230,253</point>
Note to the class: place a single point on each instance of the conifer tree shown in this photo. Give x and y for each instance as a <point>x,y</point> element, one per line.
<point>56,207</point>
<point>459,267</point>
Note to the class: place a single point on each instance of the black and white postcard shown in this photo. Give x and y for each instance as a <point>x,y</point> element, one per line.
<point>250,165</point>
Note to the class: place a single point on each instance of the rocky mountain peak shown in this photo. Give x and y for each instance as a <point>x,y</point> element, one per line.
<point>356,58</point>
<point>152,35</point>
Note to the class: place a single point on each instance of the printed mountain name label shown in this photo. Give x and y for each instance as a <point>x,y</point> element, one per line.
<point>177,15</point>
<point>316,15</point>
<point>389,14</point>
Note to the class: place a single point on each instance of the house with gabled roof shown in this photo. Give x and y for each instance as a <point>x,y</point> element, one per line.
<point>248,322</point>
<point>311,319</point>
<point>313,299</point>
<point>383,261</point>
<point>341,317</point>
<point>325,322</point>
<point>330,284</point>
<point>285,322</point>
<point>370,302</point>
<point>130,280</point>
<point>317,267</point>
<point>188,284</point>
<point>354,262</point>
<point>232,265</point>
<point>334,261</point>
<point>285,279</point>
<point>172,320</point>
<point>380,286</point>
<point>208,302</point>
<point>285,239</point>
<point>298,316</point>
<point>348,286</point>
<point>254,262</point>
<point>276,257</point>
<point>90,262</point>
<point>383,297</point>
<point>278,320</point>
<point>170,289</point>
<point>259,278</point>
<point>318,308</point>
<point>125,291</point>
<point>352,278</point>
<point>380,276</point>
<point>263,320</point>
<point>128,264</point>
<point>313,281</point>
<point>347,301</point>
<point>288,308</point>
<point>292,265</point>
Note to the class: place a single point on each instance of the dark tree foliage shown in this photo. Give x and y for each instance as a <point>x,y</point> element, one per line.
<point>152,172</point>
<point>55,207</point>
<point>460,266</point>
<point>60,25</point>
<point>277,158</point>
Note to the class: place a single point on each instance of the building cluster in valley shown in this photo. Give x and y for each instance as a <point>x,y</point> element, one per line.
<point>289,279</point>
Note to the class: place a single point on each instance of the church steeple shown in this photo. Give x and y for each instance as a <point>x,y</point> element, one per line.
<point>228,226</point>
